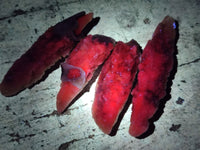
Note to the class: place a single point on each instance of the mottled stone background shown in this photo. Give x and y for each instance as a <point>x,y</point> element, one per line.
<point>29,120</point>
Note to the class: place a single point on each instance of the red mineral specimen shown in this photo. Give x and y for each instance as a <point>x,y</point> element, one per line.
<point>155,67</point>
<point>55,43</point>
<point>79,67</point>
<point>114,84</point>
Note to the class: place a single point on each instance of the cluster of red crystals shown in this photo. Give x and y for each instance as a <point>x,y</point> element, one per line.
<point>155,67</point>
<point>114,84</point>
<point>88,55</point>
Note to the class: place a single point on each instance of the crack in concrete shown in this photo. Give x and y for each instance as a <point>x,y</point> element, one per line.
<point>55,113</point>
<point>19,12</point>
<point>65,145</point>
<point>16,137</point>
<point>51,7</point>
<point>187,63</point>
<point>47,115</point>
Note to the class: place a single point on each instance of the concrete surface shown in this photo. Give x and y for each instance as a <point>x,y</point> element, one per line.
<point>29,121</point>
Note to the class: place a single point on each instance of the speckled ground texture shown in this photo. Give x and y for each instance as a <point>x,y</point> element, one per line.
<point>29,119</point>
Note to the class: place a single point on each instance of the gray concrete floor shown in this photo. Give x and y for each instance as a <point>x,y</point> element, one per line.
<point>28,120</point>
